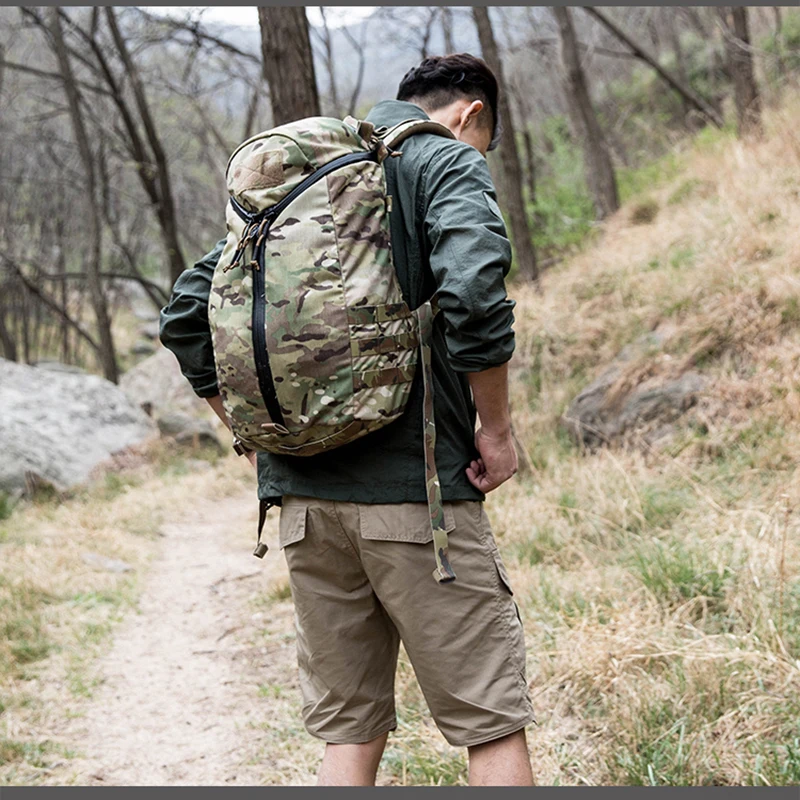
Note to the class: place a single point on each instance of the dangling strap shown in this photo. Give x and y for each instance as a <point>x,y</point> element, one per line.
<point>261,547</point>
<point>443,572</point>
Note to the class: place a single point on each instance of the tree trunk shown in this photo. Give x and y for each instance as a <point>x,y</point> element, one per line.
<point>598,168</point>
<point>740,65</point>
<point>288,63</point>
<point>695,100</point>
<point>94,259</point>
<point>530,171</point>
<point>6,339</point>
<point>776,10</point>
<point>327,41</point>
<point>166,207</point>
<point>512,169</point>
<point>447,29</point>
<point>252,111</point>
<point>674,33</point>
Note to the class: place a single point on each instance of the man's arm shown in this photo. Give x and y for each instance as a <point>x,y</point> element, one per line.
<point>494,440</point>
<point>470,256</point>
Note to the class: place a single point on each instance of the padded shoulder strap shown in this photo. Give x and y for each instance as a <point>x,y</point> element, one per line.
<point>400,132</point>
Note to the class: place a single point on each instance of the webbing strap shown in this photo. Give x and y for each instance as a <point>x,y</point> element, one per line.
<point>261,547</point>
<point>397,134</point>
<point>443,572</point>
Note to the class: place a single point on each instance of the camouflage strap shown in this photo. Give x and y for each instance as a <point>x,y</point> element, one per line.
<point>443,572</point>
<point>397,134</point>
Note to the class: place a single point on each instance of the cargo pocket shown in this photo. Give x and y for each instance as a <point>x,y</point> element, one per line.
<point>292,524</point>
<point>401,522</point>
<point>515,633</point>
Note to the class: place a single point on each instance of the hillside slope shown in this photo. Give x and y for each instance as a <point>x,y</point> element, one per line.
<point>659,579</point>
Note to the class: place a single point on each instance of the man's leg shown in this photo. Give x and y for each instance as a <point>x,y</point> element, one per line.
<point>351,764</point>
<point>502,762</point>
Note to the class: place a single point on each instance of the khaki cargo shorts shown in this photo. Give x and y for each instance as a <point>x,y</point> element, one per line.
<point>361,580</point>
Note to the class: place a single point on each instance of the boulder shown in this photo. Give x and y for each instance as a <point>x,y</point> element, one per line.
<point>143,348</point>
<point>612,408</point>
<point>158,385</point>
<point>188,430</point>
<point>150,330</point>
<point>55,426</point>
<point>57,366</point>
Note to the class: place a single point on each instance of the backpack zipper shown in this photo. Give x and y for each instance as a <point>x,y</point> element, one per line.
<point>266,382</point>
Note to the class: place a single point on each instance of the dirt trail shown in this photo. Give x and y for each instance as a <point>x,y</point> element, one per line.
<point>178,702</point>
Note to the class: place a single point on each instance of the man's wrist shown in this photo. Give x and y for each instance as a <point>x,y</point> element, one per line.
<point>497,430</point>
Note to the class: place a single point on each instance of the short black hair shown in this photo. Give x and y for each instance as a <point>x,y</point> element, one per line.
<point>439,80</point>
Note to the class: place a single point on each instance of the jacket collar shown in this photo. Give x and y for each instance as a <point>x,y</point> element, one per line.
<point>392,112</point>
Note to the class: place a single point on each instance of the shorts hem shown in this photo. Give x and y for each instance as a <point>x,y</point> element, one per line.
<point>357,738</point>
<point>485,738</point>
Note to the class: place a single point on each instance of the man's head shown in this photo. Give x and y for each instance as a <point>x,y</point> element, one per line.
<point>459,91</point>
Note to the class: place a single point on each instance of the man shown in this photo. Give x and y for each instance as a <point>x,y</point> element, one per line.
<point>354,521</point>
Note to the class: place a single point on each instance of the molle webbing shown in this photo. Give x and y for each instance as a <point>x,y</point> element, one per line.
<point>443,572</point>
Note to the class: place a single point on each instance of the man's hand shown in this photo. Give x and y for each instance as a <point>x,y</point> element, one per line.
<point>497,463</point>
<point>494,440</point>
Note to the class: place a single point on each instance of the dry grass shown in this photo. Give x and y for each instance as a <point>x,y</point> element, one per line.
<point>660,588</point>
<point>57,611</point>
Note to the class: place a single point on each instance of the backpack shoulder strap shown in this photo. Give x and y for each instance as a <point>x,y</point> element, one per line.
<point>397,134</point>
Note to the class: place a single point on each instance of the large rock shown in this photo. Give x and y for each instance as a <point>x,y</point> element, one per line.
<point>157,385</point>
<point>613,408</point>
<point>188,430</point>
<point>57,426</point>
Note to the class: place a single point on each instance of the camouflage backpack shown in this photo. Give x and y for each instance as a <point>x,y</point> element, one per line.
<point>313,342</point>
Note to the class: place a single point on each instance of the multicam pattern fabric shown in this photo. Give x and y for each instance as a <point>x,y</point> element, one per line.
<point>443,572</point>
<point>313,342</point>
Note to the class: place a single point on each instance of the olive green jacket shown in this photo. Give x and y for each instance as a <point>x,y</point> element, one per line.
<point>447,237</point>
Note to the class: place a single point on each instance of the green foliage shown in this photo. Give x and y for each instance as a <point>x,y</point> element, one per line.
<point>684,191</point>
<point>23,639</point>
<point>786,47</point>
<point>6,506</point>
<point>634,181</point>
<point>563,212</point>
<point>675,574</point>
<point>777,764</point>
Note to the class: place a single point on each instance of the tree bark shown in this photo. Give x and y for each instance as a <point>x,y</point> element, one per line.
<point>327,41</point>
<point>252,111</point>
<point>598,168</point>
<point>95,249</point>
<point>694,99</point>
<point>166,207</point>
<point>288,63</point>
<point>360,48</point>
<point>740,65</point>
<point>531,166</point>
<point>447,29</point>
<point>778,34</point>
<point>512,169</point>
<point>674,33</point>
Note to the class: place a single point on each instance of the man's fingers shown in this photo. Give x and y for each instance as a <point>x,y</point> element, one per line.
<point>483,481</point>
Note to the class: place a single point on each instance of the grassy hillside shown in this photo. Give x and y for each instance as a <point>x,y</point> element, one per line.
<point>659,583</point>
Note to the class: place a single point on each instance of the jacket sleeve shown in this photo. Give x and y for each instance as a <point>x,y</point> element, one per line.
<point>470,255</point>
<point>184,324</point>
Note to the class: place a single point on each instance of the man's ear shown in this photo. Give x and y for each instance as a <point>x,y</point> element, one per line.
<point>470,113</point>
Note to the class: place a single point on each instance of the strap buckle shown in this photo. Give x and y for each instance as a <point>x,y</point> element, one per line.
<point>240,448</point>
